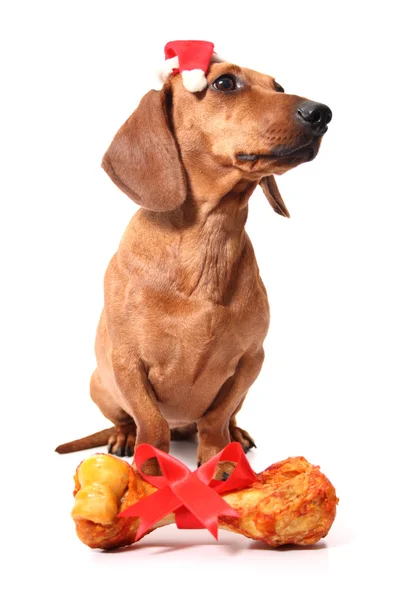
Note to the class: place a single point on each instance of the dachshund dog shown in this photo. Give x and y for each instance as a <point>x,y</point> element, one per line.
<point>180,339</point>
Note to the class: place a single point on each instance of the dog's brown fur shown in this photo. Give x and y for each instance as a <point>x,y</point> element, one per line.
<point>180,339</point>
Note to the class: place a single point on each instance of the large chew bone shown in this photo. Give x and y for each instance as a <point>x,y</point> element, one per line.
<point>291,502</point>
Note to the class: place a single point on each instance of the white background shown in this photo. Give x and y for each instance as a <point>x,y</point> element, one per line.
<point>72,72</point>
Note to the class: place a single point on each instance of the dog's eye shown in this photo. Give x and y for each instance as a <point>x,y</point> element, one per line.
<point>225,83</point>
<point>278,87</point>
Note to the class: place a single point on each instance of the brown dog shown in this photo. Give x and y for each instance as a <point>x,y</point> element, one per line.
<point>180,339</point>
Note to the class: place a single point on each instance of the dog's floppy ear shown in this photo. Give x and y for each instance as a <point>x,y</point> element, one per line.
<point>270,189</point>
<point>143,158</point>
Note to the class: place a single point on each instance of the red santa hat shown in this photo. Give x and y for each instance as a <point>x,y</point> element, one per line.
<point>192,59</point>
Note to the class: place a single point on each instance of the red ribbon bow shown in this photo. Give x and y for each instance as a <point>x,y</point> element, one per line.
<point>192,495</point>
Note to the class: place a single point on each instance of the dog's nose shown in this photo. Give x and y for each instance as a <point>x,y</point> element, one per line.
<point>315,115</point>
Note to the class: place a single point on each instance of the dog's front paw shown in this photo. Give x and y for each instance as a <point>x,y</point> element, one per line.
<point>223,469</point>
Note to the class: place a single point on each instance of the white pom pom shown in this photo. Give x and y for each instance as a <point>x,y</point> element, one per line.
<point>194,80</point>
<point>169,65</point>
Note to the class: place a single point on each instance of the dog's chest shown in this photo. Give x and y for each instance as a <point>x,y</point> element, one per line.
<point>199,345</point>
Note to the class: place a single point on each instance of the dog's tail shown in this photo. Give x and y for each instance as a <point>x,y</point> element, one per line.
<point>90,441</point>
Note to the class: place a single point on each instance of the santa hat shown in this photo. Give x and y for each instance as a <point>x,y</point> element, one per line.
<point>192,59</point>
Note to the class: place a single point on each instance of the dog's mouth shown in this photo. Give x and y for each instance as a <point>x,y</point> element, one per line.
<point>287,154</point>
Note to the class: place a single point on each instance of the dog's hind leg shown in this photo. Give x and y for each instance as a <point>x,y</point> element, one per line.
<point>241,435</point>
<point>238,434</point>
<point>122,440</point>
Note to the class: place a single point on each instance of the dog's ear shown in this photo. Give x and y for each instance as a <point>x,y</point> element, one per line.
<point>143,158</point>
<point>270,189</point>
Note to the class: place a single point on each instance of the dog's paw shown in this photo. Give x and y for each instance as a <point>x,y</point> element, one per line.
<point>122,442</point>
<point>240,435</point>
<point>151,467</point>
<point>223,470</point>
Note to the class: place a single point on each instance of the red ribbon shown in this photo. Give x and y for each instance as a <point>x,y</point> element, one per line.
<point>194,496</point>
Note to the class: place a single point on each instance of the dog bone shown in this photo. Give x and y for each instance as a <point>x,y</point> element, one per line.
<point>291,502</point>
<point>102,481</point>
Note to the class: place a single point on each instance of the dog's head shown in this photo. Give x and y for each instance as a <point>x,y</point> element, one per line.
<point>241,127</point>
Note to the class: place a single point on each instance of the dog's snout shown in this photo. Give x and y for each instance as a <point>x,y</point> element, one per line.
<point>315,115</point>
